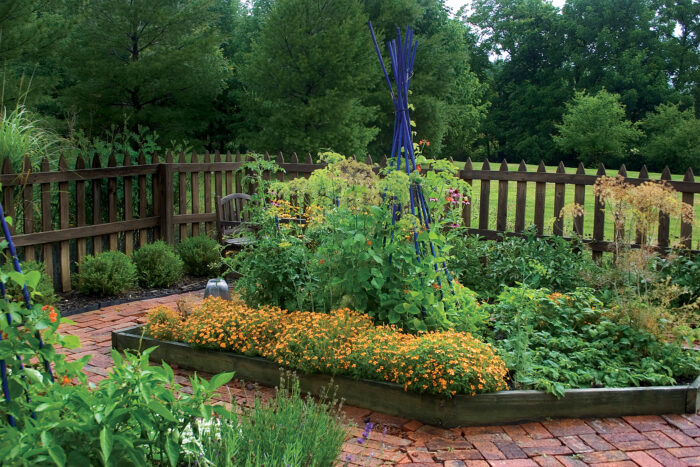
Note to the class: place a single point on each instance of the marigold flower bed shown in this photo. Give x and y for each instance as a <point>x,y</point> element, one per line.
<point>342,342</point>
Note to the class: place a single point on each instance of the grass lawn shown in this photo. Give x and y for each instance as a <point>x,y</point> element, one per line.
<point>569,198</point>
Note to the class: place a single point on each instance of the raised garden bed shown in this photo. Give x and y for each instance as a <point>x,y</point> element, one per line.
<point>461,410</point>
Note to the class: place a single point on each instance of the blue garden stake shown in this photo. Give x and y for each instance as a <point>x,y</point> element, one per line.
<point>402,55</point>
<point>28,304</point>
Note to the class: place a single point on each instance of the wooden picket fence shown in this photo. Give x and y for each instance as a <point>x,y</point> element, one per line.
<point>62,215</point>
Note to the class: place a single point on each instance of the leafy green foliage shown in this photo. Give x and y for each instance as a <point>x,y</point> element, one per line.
<point>276,271</point>
<point>157,265</point>
<point>155,63</point>
<point>200,255</point>
<point>553,342</point>
<point>137,415</point>
<point>351,255</point>
<point>43,292</point>
<point>108,273</point>
<point>487,266</point>
<point>286,430</point>
<point>684,271</point>
<point>316,102</point>
<point>673,138</point>
<point>595,128</point>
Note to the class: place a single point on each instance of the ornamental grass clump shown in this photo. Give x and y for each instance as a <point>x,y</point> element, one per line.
<point>346,342</point>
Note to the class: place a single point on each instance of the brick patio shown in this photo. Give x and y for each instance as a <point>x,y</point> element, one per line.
<point>669,440</point>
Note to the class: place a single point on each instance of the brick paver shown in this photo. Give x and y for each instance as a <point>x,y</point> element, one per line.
<point>647,440</point>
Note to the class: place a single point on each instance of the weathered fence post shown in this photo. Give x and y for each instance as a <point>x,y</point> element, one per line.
<point>687,227</point>
<point>598,218</point>
<point>167,228</point>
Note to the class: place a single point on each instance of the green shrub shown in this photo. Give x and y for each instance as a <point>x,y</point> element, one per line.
<point>200,255</point>
<point>157,265</point>
<point>108,273</point>
<point>44,290</point>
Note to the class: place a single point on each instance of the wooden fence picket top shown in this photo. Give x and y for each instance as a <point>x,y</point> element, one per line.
<point>28,205</point>
<point>218,187</point>
<point>128,206</point>
<point>664,221</point>
<point>368,160</point>
<point>182,198</point>
<point>80,210</point>
<point>540,189</point>
<point>46,219</point>
<point>280,160</point>
<point>559,201</point>
<point>229,174</point>
<point>598,217</point>
<point>194,183</point>
<point>580,199</point>
<point>209,226</point>
<point>167,197</point>
<point>383,162</point>
<point>520,200</point>
<point>8,194</point>
<point>156,193</point>
<point>143,200</point>
<point>484,199</point>
<point>619,231</point>
<point>502,207</point>
<point>239,174</point>
<point>112,201</point>
<point>294,160</point>
<point>64,223</point>
<point>687,227</point>
<point>467,208</point>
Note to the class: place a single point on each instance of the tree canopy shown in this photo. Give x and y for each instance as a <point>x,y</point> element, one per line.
<point>500,79</point>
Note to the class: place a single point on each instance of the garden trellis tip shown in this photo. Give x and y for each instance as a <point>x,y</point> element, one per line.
<point>402,55</point>
<point>28,304</point>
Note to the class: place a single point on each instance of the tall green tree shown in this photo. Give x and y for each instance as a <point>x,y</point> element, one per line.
<point>448,97</point>
<point>530,81</point>
<point>672,139</point>
<point>144,62</point>
<point>595,128</point>
<point>680,29</point>
<point>616,45</point>
<point>29,30</point>
<point>307,78</point>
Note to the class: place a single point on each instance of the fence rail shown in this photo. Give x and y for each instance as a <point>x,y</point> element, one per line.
<point>62,215</point>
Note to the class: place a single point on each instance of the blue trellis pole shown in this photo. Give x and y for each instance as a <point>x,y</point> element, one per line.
<point>402,56</point>
<point>28,304</point>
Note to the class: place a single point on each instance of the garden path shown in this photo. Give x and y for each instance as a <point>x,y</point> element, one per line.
<point>669,440</point>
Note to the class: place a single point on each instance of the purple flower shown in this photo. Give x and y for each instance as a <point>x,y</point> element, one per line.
<point>433,199</point>
<point>454,226</point>
<point>348,458</point>
<point>365,433</point>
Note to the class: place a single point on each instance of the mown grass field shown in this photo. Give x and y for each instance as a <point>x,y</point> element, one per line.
<point>569,198</point>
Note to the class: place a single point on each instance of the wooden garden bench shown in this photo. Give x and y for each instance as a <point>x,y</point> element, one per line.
<point>232,224</point>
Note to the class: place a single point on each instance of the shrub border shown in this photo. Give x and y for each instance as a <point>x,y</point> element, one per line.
<point>462,410</point>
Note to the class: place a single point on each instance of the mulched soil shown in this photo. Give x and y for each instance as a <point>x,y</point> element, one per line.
<point>73,302</point>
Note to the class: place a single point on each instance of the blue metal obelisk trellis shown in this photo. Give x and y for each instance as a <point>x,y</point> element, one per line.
<point>402,54</point>
<point>8,317</point>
